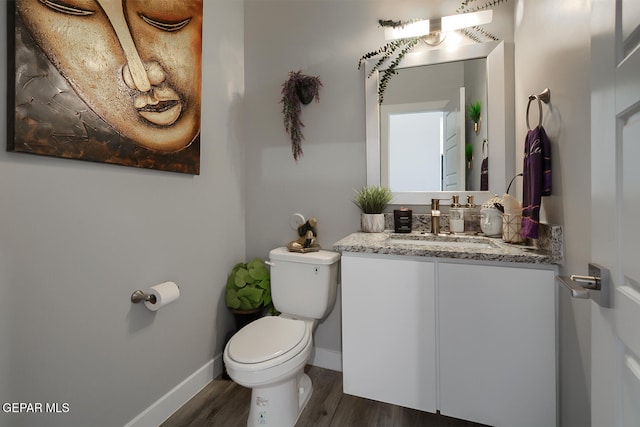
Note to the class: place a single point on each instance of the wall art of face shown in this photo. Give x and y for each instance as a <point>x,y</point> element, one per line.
<point>135,63</point>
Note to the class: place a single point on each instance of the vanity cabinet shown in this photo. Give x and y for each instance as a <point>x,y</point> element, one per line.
<point>474,340</point>
<point>497,344</point>
<point>389,330</point>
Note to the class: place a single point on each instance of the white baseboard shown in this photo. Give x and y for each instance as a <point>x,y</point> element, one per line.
<point>164,407</point>
<point>327,359</point>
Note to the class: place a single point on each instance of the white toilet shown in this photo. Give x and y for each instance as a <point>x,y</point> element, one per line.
<point>269,354</point>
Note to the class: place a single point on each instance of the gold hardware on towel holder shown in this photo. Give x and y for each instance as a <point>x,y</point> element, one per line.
<point>544,96</point>
<point>139,296</point>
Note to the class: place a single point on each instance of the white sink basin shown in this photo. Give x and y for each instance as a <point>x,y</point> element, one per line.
<point>443,242</point>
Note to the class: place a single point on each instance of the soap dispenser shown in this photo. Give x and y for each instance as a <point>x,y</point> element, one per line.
<point>471,220</point>
<point>456,215</point>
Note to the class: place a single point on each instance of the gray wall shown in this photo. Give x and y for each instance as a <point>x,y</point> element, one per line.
<point>77,238</point>
<point>320,38</point>
<point>552,42</point>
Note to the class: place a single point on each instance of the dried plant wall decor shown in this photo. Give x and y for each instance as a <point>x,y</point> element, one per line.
<point>297,90</point>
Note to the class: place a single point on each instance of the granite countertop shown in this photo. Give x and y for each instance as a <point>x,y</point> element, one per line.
<point>499,251</point>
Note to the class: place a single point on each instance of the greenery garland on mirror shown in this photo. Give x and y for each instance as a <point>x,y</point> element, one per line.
<point>395,50</point>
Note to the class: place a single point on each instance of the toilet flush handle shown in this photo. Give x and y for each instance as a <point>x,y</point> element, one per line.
<point>270,263</point>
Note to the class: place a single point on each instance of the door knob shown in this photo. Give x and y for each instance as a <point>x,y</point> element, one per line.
<point>596,285</point>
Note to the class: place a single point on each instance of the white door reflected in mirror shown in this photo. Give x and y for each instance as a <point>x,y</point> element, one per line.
<point>415,150</point>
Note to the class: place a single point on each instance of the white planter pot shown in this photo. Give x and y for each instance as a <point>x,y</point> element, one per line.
<point>372,223</point>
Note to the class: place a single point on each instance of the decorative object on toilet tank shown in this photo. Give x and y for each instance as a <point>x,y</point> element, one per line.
<point>297,90</point>
<point>372,201</point>
<point>248,289</point>
<point>308,238</point>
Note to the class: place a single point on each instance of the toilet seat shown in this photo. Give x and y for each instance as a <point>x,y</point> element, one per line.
<point>269,339</point>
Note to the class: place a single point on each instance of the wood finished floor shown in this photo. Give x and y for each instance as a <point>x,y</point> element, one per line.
<point>223,403</point>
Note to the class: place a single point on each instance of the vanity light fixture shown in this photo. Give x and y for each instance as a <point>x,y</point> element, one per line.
<point>435,30</point>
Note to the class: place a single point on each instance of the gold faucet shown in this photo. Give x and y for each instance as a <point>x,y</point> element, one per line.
<point>435,216</point>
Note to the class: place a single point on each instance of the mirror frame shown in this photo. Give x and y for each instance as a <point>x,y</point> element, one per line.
<point>500,113</point>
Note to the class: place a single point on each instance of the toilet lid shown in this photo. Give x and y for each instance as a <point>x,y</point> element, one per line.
<point>265,339</point>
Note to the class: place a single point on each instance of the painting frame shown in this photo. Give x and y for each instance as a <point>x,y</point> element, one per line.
<point>51,113</point>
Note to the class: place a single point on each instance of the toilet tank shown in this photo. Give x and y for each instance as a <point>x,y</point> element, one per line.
<point>304,284</point>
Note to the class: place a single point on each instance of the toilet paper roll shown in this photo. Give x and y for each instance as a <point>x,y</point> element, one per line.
<point>164,294</point>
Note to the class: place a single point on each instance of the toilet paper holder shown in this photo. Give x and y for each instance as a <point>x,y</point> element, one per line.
<point>139,296</point>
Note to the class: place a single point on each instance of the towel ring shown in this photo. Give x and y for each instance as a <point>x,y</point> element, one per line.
<point>485,147</point>
<point>545,97</point>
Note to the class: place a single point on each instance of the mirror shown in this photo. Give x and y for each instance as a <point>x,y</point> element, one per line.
<point>425,130</point>
<point>420,169</point>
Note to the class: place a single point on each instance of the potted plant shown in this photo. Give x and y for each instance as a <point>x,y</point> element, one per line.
<point>298,89</point>
<point>372,201</point>
<point>475,108</point>
<point>468,154</point>
<point>248,291</point>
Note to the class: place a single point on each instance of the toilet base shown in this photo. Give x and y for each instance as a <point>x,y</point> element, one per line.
<point>280,405</point>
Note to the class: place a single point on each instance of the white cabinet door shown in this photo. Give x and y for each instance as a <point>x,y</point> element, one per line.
<point>388,330</point>
<point>497,345</point>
